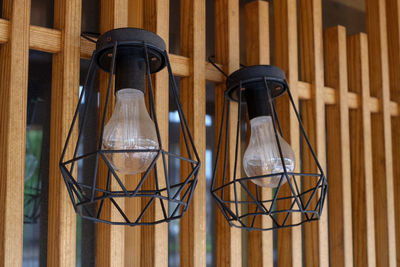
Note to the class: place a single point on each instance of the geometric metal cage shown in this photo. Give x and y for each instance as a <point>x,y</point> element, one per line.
<point>243,203</point>
<point>97,191</point>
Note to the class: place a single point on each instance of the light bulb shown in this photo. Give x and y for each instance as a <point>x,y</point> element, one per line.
<point>262,154</point>
<point>130,127</point>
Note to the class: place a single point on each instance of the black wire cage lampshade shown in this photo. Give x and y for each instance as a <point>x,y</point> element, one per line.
<point>271,190</point>
<point>128,162</point>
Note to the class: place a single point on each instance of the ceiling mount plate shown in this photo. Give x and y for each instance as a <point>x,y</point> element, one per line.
<point>127,38</point>
<point>252,77</point>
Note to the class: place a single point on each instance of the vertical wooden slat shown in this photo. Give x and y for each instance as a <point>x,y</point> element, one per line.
<point>257,33</point>
<point>133,206</point>
<point>135,13</point>
<point>13,97</point>
<point>312,70</point>
<point>228,240</point>
<point>193,98</point>
<point>260,244</point>
<point>154,247</point>
<point>393,24</point>
<point>110,239</point>
<point>361,154</point>
<point>385,232</point>
<point>396,180</point>
<point>338,137</point>
<point>64,98</point>
<point>286,57</point>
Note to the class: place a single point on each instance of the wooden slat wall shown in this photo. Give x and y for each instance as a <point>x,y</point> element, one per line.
<point>228,240</point>
<point>133,235</point>
<point>110,241</point>
<point>286,57</point>
<point>362,128</point>
<point>154,247</point>
<point>64,98</point>
<point>260,249</point>
<point>193,97</point>
<point>381,132</point>
<point>312,71</point>
<point>393,31</point>
<point>361,155</point>
<point>338,137</point>
<point>13,99</point>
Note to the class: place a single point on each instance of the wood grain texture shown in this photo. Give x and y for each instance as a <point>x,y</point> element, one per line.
<point>13,98</point>
<point>260,244</point>
<point>228,240</point>
<point>64,98</point>
<point>393,28</point>
<point>45,39</point>
<point>396,181</point>
<point>286,57</point>
<point>4,30</point>
<point>385,231</point>
<point>338,137</point>
<point>133,206</point>
<point>40,38</point>
<point>193,98</point>
<point>154,250</point>
<point>361,154</point>
<point>110,242</point>
<point>312,66</point>
<point>136,13</point>
<point>49,40</point>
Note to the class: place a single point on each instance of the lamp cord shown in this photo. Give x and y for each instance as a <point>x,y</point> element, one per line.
<point>211,59</point>
<point>90,36</point>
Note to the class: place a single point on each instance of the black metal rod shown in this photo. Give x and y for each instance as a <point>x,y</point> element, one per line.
<point>304,132</point>
<point>89,93</point>
<point>183,117</point>
<point>237,145</point>
<point>75,114</point>
<point>218,147</point>
<point>226,147</point>
<point>114,173</point>
<point>146,174</point>
<point>151,95</point>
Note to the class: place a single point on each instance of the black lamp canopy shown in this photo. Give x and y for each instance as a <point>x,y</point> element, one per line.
<point>243,202</point>
<point>133,55</point>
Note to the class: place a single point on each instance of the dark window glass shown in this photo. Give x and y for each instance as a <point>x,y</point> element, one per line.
<point>42,13</point>
<point>350,14</point>
<point>209,165</point>
<point>37,159</point>
<point>174,27</point>
<point>86,229</point>
<point>174,175</point>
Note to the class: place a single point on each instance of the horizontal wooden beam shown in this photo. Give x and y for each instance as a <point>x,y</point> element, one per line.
<point>44,39</point>
<point>180,64</point>
<point>4,28</point>
<point>330,98</point>
<point>49,40</point>
<point>41,38</point>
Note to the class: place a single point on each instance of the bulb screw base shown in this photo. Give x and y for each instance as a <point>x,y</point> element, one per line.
<point>130,69</point>
<point>257,102</point>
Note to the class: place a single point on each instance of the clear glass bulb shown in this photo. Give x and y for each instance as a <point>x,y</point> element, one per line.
<point>130,127</point>
<point>262,154</point>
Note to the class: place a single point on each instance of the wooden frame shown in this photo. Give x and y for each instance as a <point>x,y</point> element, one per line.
<point>353,79</point>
